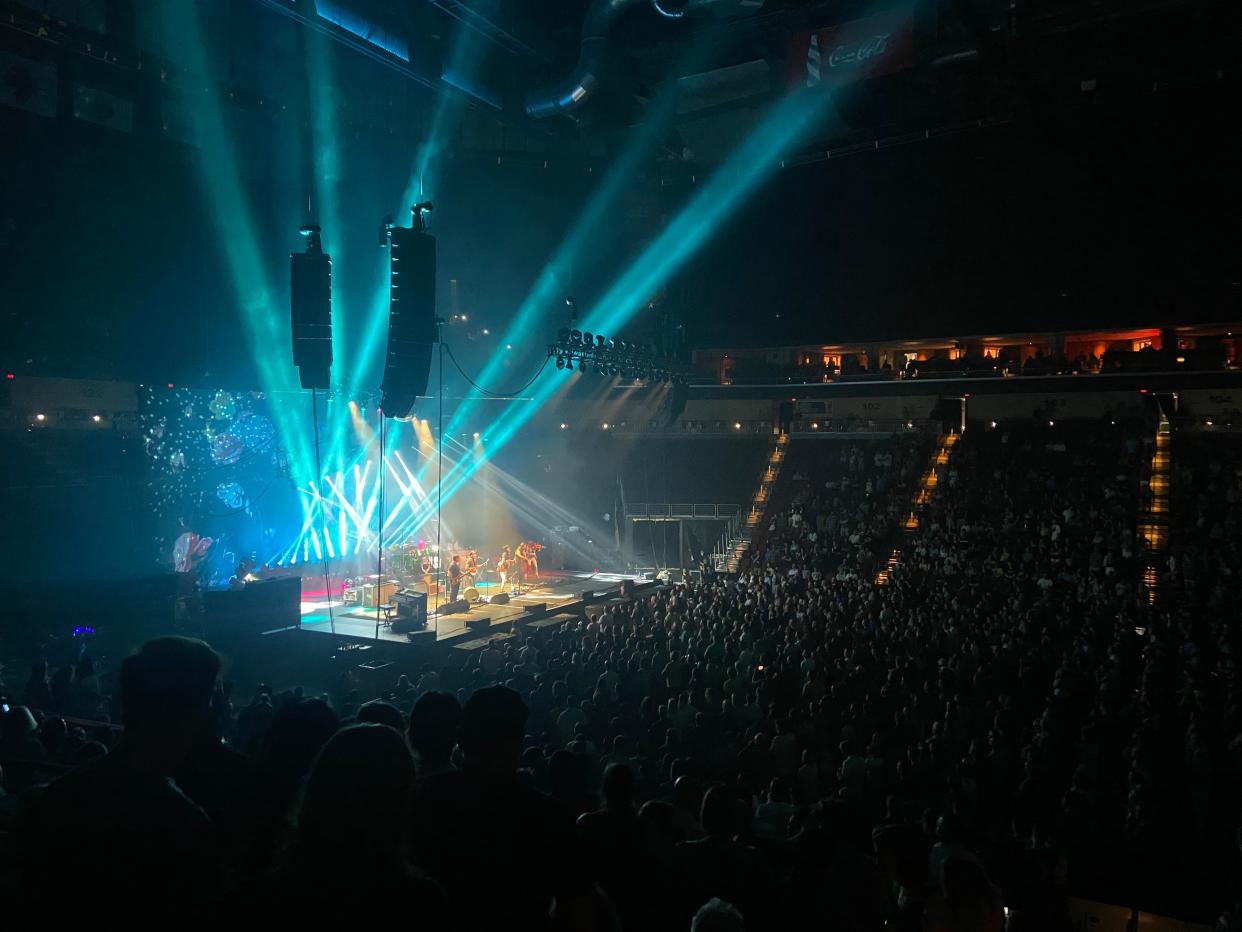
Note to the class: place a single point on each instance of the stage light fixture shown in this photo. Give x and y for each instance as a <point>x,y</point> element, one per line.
<point>563,426</point>
<point>575,336</point>
<point>40,417</point>
<point>96,418</point>
<point>560,362</point>
<point>569,365</point>
<point>587,339</point>
<point>601,341</point>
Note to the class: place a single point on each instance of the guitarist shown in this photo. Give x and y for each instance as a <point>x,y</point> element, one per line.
<point>505,567</point>
<point>473,566</point>
<point>428,568</point>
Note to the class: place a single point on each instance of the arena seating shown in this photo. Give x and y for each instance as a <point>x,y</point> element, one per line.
<point>1008,719</point>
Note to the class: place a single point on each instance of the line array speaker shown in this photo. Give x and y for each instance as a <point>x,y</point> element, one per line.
<point>411,319</point>
<point>310,307</point>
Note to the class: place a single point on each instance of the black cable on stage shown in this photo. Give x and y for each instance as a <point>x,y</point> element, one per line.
<point>486,391</point>
<point>440,479</point>
<point>327,585</point>
<point>379,559</point>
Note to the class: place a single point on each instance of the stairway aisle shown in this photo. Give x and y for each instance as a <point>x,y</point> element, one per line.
<point>1154,517</point>
<point>922,495</point>
<point>731,560</point>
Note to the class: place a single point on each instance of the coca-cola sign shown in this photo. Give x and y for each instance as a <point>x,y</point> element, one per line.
<point>872,47</point>
<point>852,51</point>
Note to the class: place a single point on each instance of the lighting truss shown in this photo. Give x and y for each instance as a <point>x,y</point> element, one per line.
<point>597,353</point>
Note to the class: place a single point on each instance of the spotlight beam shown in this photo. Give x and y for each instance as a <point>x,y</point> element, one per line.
<point>739,177</point>
<point>267,339</point>
<point>588,230</point>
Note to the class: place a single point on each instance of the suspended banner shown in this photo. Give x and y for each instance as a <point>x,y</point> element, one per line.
<point>853,51</point>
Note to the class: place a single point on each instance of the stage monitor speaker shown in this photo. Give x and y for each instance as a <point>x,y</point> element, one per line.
<point>500,598</point>
<point>452,608</point>
<point>310,307</point>
<point>411,319</point>
<point>424,637</point>
<point>478,624</point>
<point>535,612</point>
<point>411,611</point>
<point>588,596</point>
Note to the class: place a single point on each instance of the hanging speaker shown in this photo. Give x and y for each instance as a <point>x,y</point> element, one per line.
<point>411,319</point>
<point>310,311</point>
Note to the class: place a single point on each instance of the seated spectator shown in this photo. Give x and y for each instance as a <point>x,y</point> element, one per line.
<point>483,817</point>
<point>434,722</point>
<point>721,866</point>
<point>348,858</point>
<point>297,733</point>
<point>621,846</point>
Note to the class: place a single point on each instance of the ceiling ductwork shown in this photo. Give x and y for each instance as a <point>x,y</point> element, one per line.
<point>567,96</point>
<point>572,93</point>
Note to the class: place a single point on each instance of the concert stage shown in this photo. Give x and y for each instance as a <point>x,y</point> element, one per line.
<point>557,593</point>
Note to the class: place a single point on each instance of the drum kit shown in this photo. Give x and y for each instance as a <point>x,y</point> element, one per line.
<point>404,560</point>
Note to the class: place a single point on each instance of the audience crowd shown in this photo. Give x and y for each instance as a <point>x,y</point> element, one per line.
<point>1006,719</point>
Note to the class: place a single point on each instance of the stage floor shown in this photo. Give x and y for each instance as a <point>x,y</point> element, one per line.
<point>554,590</point>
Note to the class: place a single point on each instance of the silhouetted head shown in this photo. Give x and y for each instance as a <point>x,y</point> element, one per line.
<point>434,723</point>
<point>719,814</point>
<point>619,787</point>
<point>378,712</point>
<point>356,796</point>
<point>492,729</point>
<point>166,691</point>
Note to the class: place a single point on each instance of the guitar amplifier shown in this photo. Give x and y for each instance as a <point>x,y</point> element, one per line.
<point>352,595</point>
<point>385,593</point>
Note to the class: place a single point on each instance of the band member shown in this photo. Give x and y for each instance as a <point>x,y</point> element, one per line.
<point>455,574</point>
<point>242,574</point>
<point>427,568</point>
<point>528,553</point>
<point>472,567</point>
<point>505,567</point>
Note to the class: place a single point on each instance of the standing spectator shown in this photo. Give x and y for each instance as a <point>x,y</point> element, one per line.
<point>137,840</point>
<point>37,693</point>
